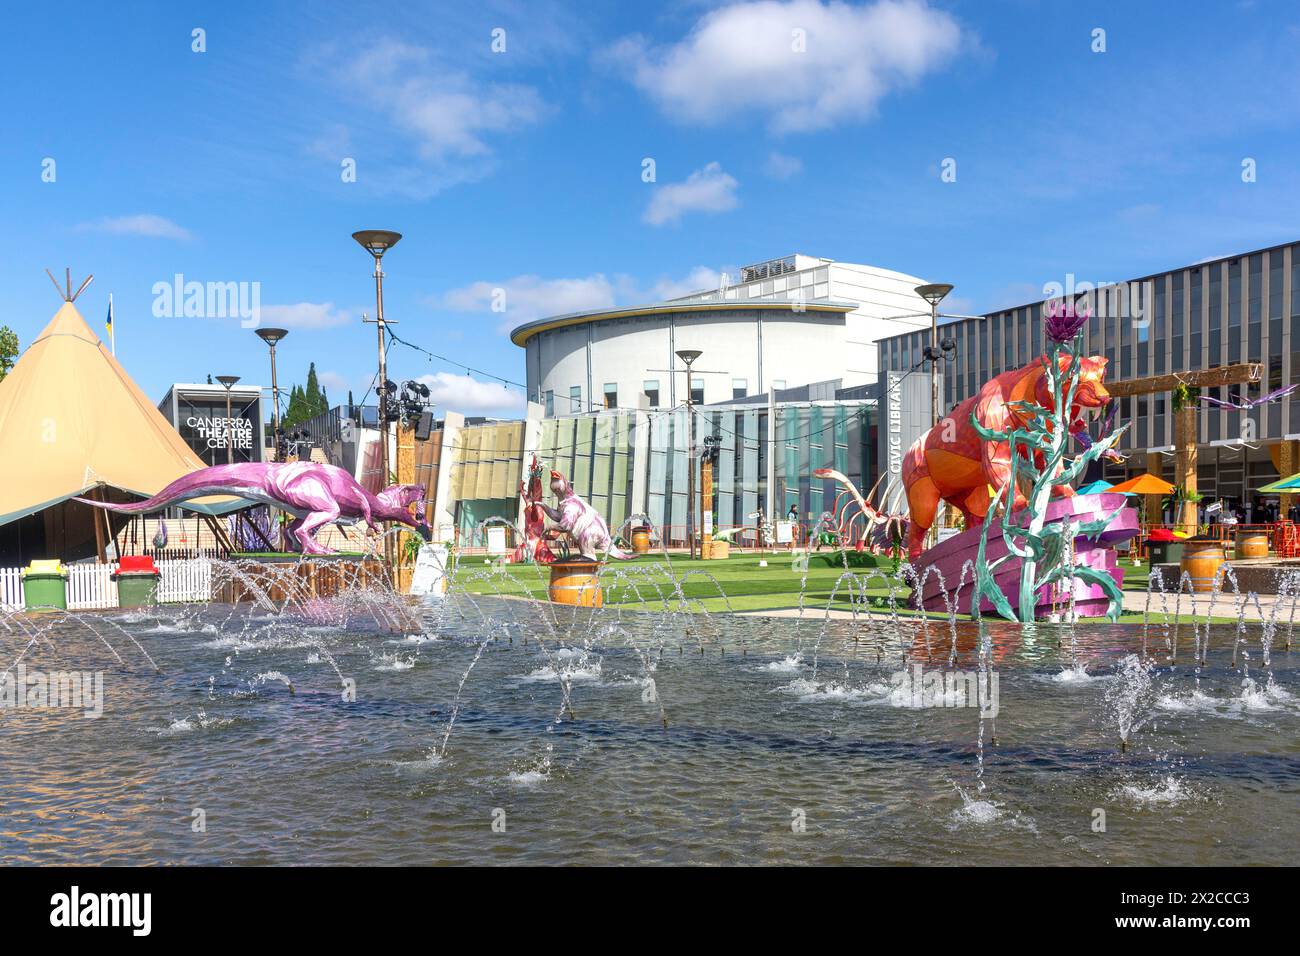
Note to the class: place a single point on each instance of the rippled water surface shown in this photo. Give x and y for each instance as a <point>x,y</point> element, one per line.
<point>591,737</point>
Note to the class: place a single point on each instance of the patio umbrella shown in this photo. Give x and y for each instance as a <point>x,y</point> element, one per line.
<point>1143,485</point>
<point>1094,487</point>
<point>1284,485</point>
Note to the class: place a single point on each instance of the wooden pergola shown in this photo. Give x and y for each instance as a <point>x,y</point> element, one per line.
<point>1185,431</point>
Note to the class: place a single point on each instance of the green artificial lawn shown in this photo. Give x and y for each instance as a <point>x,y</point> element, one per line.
<point>746,586</point>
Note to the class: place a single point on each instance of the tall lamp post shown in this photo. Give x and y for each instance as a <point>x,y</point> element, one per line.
<point>377,242</point>
<point>689,356</point>
<point>934,293</point>
<point>229,382</point>
<point>271,337</point>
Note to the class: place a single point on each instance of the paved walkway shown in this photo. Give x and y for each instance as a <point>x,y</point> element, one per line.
<point>1135,602</point>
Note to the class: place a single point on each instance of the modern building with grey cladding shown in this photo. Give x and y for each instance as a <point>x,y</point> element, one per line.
<point>1239,308</point>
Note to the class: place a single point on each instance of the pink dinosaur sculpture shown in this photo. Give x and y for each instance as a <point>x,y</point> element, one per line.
<point>314,494</point>
<point>582,522</point>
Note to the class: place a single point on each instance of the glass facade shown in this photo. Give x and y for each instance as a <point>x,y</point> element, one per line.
<point>1244,308</point>
<point>603,455</point>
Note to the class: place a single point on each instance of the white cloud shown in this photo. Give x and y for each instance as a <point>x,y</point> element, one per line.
<point>335,382</point>
<point>527,297</point>
<point>468,395</point>
<point>804,64</point>
<point>142,224</point>
<point>705,190</point>
<point>444,116</point>
<point>699,279</point>
<point>304,315</point>
<point>781,166</point>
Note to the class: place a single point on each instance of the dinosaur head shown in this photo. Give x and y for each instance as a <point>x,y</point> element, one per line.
<point>399,499</point>
<point>560,485</point>
<point>1090,396</point>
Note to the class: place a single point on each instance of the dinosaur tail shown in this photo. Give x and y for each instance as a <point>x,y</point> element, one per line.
<point>619,555</point>
<point>209,481</point>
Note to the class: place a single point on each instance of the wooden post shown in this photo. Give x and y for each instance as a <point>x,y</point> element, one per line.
<point>100,542</point>
<point>218,534</point>
<point>405,472</point>
<point>1153,509</point>
<point>706,508</point>
<point>1185,420</point>
<point>1287,461</point>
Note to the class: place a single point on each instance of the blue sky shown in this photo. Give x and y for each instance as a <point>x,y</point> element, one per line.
<point>523,169</point>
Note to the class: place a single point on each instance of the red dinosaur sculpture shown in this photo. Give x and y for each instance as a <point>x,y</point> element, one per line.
<point>534,546</point>
<point>952,463</point>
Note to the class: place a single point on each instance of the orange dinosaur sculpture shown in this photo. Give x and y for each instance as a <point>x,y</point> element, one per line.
<point>952,463</point>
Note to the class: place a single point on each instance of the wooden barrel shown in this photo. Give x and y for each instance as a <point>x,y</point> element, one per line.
<point>575,583</point>
<point>719,550</point>
<point>1201,561</point>
<point>640,540</point>
<point>1253,545</point>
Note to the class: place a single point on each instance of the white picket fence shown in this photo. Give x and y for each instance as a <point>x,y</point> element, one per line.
<point>91,586</point>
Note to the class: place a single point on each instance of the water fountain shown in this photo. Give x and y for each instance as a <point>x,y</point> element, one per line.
<point>612,734</point>
<point>316,714</point>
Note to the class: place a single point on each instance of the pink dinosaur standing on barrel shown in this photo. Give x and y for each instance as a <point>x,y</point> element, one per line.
<point>581,521</point>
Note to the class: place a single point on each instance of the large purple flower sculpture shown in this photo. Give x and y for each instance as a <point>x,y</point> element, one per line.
<point>1063,321</point>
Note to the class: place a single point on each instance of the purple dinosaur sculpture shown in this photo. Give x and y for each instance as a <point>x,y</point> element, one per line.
<point>582,522</point>
<point>313,493</point>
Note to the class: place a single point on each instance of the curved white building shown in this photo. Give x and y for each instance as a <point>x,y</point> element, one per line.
<point>789,322</point>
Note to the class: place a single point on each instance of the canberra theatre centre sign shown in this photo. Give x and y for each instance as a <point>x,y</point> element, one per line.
<point>222,432</point>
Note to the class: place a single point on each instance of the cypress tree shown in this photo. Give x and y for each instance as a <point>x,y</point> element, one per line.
<point>311,398</point>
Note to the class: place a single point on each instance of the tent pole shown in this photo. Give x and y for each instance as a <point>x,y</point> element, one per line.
<point>99,528</point>
<point>218,532</point>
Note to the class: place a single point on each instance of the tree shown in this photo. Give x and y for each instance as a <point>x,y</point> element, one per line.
<point>8,350</point>
<point>312,394</point>
<point>305,402</point>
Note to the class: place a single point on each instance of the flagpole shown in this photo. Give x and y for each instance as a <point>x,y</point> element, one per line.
<point>112,332</point>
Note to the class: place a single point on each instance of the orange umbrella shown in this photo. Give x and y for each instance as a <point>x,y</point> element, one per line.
<point>1143,485</point>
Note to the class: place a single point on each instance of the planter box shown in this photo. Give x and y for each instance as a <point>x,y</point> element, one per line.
<point>1165,552</point>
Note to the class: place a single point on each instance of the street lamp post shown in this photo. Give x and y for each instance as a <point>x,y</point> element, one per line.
<point>934,294</point>
<point>229,382</point>
<point>271,337</point>
<point>689,356</point>
<point>377,242</point>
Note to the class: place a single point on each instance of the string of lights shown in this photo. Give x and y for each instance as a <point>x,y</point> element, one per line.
<point>594,406</point>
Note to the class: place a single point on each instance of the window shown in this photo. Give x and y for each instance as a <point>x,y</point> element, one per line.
<point>1215,333</point>
<point>739,387</point>
<point>697,390</point>
<point>651,388</point>
<point>550,403</point>
<point>575,398</point>
<point>611,395</point>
